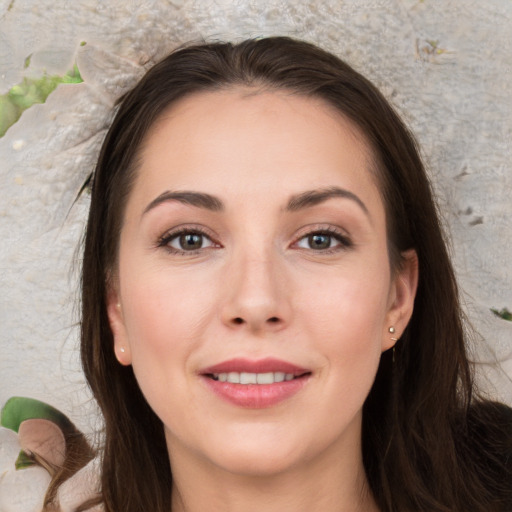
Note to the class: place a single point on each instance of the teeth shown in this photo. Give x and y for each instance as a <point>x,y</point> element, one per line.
<point>280,376</point>
<point>253,378</point>
<point>265,378</point>
<point>233,377</point>
<point>247,378</point>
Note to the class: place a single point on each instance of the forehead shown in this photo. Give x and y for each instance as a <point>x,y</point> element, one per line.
<point>243,107</point>
<point>246,138</point>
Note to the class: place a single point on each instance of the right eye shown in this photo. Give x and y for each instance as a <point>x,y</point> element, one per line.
<point>186,241</point>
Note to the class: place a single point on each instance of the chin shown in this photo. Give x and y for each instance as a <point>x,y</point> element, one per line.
<point>264,450</point>
<point>258,462</point>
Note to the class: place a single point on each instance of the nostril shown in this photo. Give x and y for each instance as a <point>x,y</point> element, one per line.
<point>240,321</point>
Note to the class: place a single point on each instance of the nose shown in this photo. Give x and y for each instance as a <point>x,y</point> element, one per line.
<point>257,295</point>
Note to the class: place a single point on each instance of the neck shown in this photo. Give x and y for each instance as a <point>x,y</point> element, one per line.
<point>318,485</point>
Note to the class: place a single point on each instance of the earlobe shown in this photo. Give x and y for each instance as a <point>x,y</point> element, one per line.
<point>405,284</point>
<point>116,321</point>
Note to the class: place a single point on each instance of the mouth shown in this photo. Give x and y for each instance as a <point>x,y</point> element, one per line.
<point>245,378</point>
<point>261,371</point>
<point>255,384</point>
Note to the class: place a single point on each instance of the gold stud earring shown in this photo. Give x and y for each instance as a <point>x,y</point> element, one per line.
<point>391,330</point>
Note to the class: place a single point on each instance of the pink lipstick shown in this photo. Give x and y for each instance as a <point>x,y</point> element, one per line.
<point>255,384</point>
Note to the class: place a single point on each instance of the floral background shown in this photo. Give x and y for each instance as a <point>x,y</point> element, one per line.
<point>445,64</point>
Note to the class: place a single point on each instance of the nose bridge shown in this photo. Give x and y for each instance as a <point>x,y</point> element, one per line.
<point>256,296</point>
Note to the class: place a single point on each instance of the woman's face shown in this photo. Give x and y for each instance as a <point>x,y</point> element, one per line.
<point>254,249</point>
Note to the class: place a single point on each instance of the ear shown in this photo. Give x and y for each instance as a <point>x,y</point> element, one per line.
<point>401,298</point>
<point>117,326</point>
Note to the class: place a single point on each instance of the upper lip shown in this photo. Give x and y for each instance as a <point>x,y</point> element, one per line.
<point>254,366</point>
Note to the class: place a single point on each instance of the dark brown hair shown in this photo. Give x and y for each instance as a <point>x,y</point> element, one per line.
<point>425,444</point>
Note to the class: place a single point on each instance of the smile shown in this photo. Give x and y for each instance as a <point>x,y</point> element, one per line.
<point>255,384</point>
<point>252,378</point>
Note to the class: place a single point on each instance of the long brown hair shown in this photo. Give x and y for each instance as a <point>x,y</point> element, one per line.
<point>424,443</point>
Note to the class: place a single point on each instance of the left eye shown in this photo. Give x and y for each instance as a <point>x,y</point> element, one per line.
<point>189,241</point>
<point>319,241</point>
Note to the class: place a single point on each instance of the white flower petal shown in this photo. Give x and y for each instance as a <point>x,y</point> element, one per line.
<point>9,450</point>
<point>24,490</point>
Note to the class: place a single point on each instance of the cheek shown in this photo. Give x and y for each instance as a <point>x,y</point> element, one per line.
<point>348,305</point>
<point>164,311</point>
<point>346,319</point>
<point>165,319</point>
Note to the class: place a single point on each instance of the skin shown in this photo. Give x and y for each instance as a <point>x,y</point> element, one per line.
<point>258,288</point>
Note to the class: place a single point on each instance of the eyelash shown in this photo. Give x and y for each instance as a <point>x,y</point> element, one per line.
<point>167,238</point>
<point>344,241</point>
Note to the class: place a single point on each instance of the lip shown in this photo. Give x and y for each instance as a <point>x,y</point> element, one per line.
<point>255,396</point>
<point>255,366</point>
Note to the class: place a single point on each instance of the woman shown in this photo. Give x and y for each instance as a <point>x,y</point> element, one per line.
<point>270,317</point>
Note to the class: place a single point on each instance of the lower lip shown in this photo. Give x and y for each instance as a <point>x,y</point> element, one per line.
<point>256,396</point>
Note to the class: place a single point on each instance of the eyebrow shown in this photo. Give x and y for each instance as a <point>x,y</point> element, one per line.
<point>198,199</point>
<point>296,202</point>
<point>314,197</point>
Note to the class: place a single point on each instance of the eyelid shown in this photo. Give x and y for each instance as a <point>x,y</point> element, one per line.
<point>328,229</point>
<point>163,240</point>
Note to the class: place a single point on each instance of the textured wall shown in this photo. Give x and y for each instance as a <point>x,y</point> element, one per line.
<point>445,64</point>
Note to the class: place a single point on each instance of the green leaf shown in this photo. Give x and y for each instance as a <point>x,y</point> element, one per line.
<point>23,461</point>
<point>503,313</point>
<point>29,92</point>
<point>18,409</point>
<point>9,114</point>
